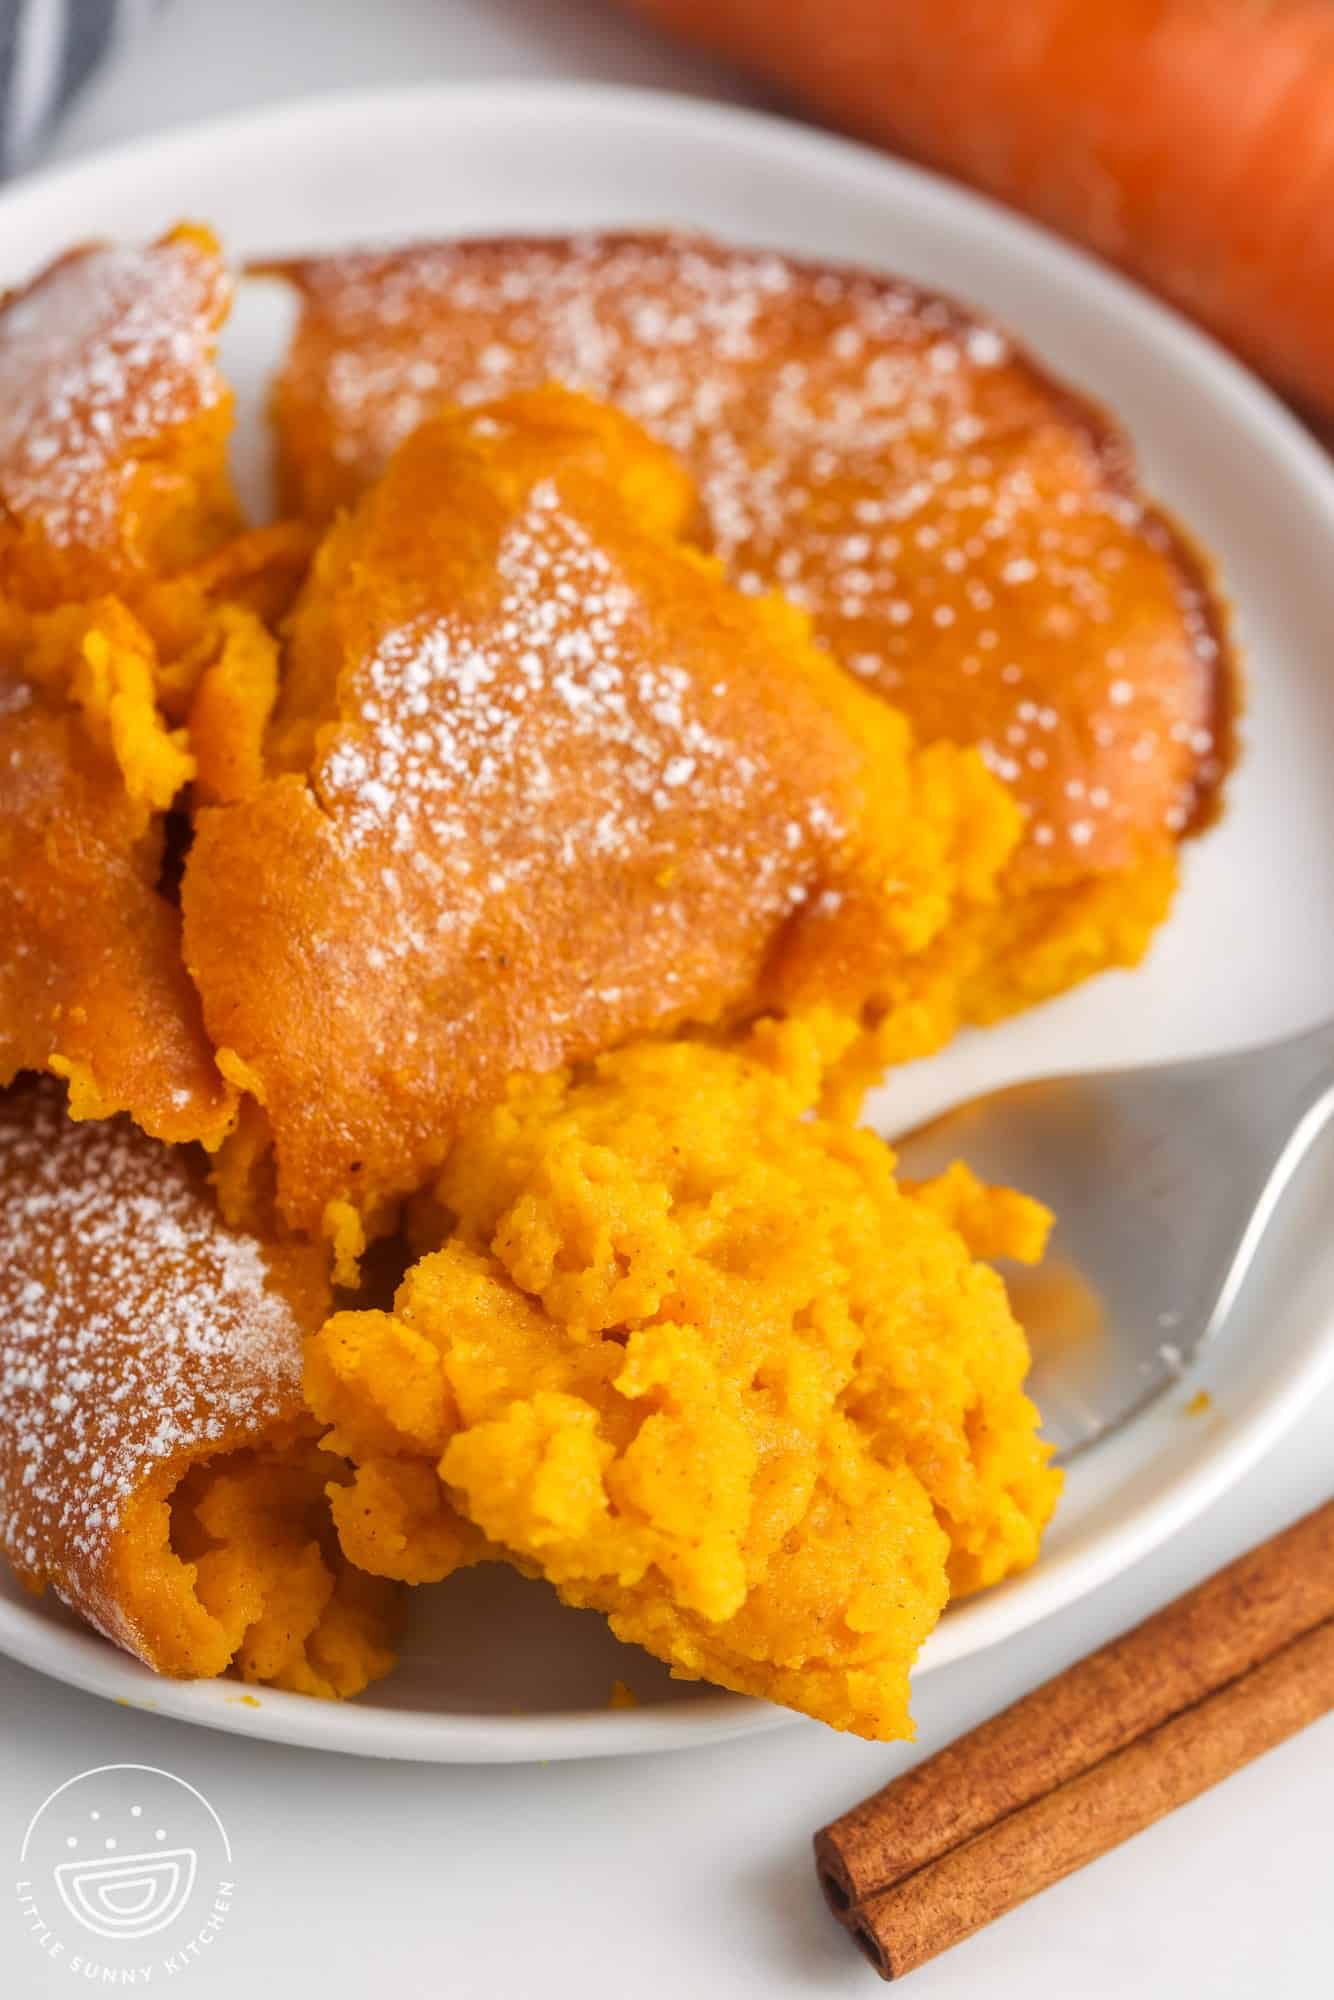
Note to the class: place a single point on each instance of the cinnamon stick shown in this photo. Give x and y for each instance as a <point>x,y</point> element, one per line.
<point>1217,1631</point>
<point>1092,1757</point>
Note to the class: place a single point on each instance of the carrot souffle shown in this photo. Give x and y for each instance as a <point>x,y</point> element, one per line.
<point>682,683</point>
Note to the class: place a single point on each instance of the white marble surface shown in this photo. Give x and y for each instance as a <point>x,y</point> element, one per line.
<point>655,1877</point>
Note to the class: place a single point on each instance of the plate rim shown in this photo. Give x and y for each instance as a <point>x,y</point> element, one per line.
<point>85,1661</point>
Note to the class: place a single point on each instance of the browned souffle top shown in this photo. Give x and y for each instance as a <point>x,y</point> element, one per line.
<point>966,533</point>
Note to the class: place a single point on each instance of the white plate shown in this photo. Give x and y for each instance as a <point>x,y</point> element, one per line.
<point>494,1669</point>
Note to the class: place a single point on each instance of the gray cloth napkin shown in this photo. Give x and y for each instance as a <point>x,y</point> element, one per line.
<point>48,51</point>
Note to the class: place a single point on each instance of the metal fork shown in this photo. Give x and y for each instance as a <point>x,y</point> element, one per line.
<point>1163,1181</point>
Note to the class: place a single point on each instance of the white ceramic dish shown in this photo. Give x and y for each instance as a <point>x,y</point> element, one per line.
<point>494,1669</point>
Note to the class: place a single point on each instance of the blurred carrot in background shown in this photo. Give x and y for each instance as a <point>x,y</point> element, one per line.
<point>1189,141</point>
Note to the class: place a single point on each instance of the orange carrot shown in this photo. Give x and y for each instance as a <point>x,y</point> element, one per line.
<point>1191,142</point>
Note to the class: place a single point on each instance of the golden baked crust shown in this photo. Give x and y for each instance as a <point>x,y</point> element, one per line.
<point>548,783</point>
<point>156,1466</point>
<point>113,418</point>
<point>94,699</point>
<point>116,544</point>
<point>966,533</point>
<point>92,982</point>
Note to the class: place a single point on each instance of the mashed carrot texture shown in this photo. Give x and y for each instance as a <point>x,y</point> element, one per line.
<point>235,1569</point>
<point>255,1581</point>
<point>696,1358</point>
<point>95,698</point>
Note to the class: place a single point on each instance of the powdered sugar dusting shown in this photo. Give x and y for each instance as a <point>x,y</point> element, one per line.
<point>134,1327</point>
<point>887,461</point>
<point>554,738</point>
<point>567,790</point>
<point>99,358</point>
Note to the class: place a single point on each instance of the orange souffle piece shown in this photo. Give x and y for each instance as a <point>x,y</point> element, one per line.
<point>543,781</point>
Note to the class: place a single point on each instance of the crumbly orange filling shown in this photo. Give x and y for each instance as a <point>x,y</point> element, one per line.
<point>695,1357</point>
<point>236,1569</point>
<point>98,699</point>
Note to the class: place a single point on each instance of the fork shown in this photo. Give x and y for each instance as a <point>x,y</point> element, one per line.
<point>1163,1181</point>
